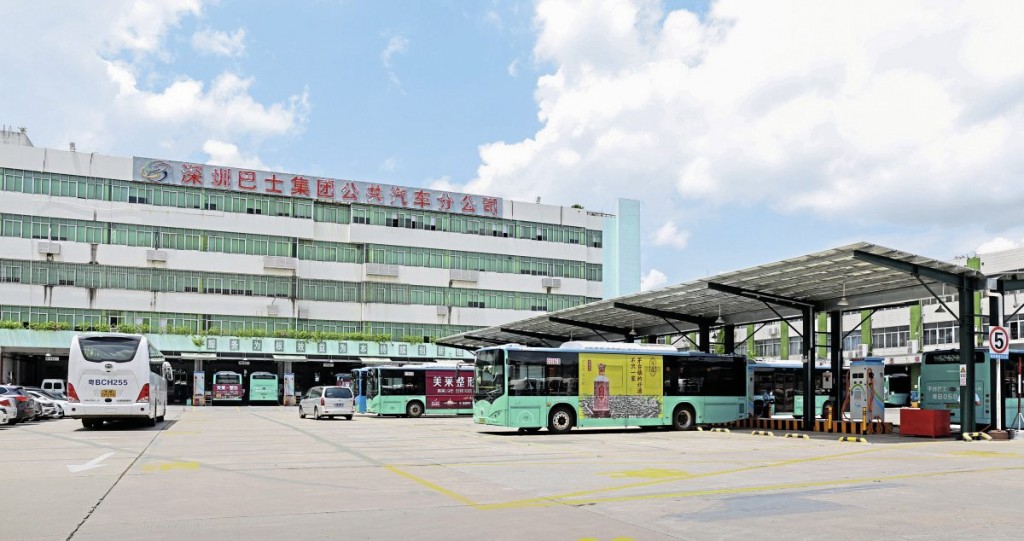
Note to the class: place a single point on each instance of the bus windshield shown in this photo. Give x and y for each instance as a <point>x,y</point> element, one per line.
<point>228,379</point>
<point>117,349</point>
<point>489,375</point>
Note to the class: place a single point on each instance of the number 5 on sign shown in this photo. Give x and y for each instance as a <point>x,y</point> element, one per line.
<point>999,340</point>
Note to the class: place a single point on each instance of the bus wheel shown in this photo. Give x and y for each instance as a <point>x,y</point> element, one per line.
<point>683,418</point>
<point>414,409</point>
<point>561,420</point>
<point>88,423</point>
<point>302,414</point>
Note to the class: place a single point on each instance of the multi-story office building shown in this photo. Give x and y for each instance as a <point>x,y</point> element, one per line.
<point>233,264</point>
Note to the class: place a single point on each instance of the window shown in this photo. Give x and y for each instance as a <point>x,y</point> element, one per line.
<point>943,332</point>
<point>890,337</point>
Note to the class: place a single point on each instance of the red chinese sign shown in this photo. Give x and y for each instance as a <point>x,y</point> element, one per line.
<point>448,389</point>
<point>290,185</point>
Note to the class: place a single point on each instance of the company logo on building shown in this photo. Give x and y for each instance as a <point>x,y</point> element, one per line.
<point>155,170</point>
<point>327,189</point>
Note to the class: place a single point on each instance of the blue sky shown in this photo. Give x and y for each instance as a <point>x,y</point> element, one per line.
<point>750,131</point>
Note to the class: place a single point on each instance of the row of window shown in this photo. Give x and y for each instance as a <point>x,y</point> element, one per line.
<point>61,229</point>
<point>35,182</point>
<point>162,321</point>
<point>254,285</point>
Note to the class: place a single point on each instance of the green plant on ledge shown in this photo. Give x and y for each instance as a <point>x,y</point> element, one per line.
<point>197,341</point>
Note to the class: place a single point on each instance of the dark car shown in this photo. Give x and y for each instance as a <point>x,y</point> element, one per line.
<point>24,402</point>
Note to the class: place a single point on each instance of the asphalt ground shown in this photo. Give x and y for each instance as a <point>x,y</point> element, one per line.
<point>262,473</point>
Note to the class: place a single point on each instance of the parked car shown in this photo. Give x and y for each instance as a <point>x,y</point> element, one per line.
<point>25,404</point>
<point>8,411</point>
<point>54,386</point>
<point>49,404</point>
<point>327,401</point>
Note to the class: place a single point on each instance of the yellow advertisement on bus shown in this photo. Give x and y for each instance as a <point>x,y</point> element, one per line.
<point>619,386</point>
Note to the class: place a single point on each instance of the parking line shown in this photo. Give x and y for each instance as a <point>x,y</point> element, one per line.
<point>437,488</point>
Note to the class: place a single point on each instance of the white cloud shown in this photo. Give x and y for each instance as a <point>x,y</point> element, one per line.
<point>653,280</point>
<point>389,164</point>
<point>826,109</point>
<point>513,68</point>
<point>222,153</point>
<point>121,88</point>
<point>998,244</point>
<point>670,235</point>
<point>396,45</point>
<point>219,43</point>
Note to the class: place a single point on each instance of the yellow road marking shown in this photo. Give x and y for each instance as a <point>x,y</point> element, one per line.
<point>650,473</point>
<point>167,466</point>
<point>437,488</point>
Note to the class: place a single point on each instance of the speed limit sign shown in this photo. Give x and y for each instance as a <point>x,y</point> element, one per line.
<point>999,341</point>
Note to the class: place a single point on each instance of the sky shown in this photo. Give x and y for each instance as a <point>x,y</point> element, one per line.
<point>750,131</point>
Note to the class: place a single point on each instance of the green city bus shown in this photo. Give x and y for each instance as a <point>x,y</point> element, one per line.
<point>940,386</point>
<point>784,382</point>
<point>262,387</point>
<point>594,384</point>
<point>414,390</point>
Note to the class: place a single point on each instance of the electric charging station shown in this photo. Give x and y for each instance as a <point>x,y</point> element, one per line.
<point>867,389</point>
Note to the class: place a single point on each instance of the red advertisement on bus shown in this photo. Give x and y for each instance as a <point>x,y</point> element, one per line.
<point>448,389</point>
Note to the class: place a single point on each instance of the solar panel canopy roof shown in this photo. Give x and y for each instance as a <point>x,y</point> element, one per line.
<point>783,289</point>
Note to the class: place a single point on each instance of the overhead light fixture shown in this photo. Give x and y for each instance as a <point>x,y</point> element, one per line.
<point>842,300</point>
<point>719,321</point>
<point>940,309</point>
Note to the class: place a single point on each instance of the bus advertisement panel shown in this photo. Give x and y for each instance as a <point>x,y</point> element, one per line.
<point>227,387</point>
<point>618,386</point>
<point>447,390</point>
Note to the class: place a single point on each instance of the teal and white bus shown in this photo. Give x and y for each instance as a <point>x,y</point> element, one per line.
<point>940,386</point>
<point>784,382</point>
<point>594,384</point>
<point>262,387</point>
<point>414,390</point>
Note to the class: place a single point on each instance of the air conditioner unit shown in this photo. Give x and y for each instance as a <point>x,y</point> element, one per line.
<point>272,310</point>
<point>49,248</point>
<point>442,310</point>
<point>913,346</point>
<point>773,331</point>
<point>847,354</point>
<point>464,275</point>
<point>303,313</point>
<point>551,282</point>
<point>378,269</point>
<point>156,256</point>
<point>862,350</point>
<point>279,262</point>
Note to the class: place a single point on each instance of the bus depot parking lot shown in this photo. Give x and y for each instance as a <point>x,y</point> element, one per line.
<point>263,473</point>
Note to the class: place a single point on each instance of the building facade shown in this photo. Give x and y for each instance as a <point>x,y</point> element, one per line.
<point>190,252</point>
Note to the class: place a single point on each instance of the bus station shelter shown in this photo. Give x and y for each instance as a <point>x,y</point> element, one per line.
<point>855,277</point>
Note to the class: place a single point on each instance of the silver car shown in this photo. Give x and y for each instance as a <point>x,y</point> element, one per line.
<point>327,401</point>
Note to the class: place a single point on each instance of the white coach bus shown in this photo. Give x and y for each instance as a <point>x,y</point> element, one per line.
<point>116,377</point>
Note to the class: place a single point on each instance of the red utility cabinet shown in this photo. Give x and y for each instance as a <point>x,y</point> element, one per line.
<point>919,422</point>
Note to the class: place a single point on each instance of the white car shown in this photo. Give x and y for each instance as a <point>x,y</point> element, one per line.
<point>328,401</point>
<point>50,409</point>
<point>8,411</point>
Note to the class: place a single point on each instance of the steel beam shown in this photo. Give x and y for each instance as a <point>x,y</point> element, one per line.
<point>665,314</point>
<point>763,297</point>
<point>591,326</point>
